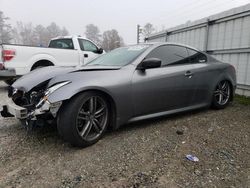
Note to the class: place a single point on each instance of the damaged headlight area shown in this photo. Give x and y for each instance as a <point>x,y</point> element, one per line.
<point>55,87</point>
<point>44,105</point>
<point>34,104</point>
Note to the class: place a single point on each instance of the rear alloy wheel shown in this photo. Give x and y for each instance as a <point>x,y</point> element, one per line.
<point>221,95</point>
<point>84,119</point>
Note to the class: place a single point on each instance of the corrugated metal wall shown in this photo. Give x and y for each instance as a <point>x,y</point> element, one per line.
<point>192,37</point>
<point>225,35</point>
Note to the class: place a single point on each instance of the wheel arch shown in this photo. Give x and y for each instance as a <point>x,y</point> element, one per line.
<point>42,62</point>
<point>231,89</point>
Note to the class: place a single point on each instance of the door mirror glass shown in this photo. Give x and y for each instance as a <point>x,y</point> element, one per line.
<point>149,63</point>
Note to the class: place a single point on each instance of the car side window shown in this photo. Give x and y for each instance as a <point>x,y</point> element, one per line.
<point>170,55</point>
<point>196,57</point>
<point>86,45</point>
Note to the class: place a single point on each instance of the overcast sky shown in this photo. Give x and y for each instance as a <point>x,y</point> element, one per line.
<point>122,15</point>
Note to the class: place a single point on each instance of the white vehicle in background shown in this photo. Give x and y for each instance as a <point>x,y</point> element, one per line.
<point>18,60</point>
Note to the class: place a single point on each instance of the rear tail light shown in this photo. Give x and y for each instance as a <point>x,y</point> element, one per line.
<point>8,55</point>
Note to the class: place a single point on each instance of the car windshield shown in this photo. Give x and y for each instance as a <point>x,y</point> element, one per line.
<point>120,56</point>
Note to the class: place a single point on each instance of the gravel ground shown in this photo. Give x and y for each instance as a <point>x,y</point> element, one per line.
<point>145,154</point>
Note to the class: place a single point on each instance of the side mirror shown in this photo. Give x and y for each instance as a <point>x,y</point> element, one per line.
<point>149,63</point>
<point>99,51</point>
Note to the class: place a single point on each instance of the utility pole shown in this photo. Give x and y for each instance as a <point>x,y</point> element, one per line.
<point>139,31</point>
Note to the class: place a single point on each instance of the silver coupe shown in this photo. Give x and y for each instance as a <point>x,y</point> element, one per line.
<point>125,85</point>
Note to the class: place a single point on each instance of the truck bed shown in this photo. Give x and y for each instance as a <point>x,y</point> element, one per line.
<point>25,56</point>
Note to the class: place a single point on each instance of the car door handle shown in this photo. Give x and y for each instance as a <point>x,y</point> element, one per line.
<point>86,55</point>
<point>189,74</point>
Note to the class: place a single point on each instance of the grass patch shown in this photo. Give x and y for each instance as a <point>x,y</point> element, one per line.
<point>242,99</point>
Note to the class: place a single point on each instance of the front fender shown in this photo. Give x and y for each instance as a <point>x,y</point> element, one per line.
<point>69,91</point>
<point>120,95</point>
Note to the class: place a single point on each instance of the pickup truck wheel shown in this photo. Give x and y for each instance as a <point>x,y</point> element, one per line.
<point>83,120</point>
<point>41,64</point>
<point>37,67</point>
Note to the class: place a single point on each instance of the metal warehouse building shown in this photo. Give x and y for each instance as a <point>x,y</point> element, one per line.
<point>225,35</point>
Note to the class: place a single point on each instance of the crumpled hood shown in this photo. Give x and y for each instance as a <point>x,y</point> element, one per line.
<point>36,77</point>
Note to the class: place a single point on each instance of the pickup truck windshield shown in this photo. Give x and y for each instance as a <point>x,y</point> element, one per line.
<point>61,43</point>
<point>120,56</point>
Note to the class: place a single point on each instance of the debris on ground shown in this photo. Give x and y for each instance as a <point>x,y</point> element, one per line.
<point>192,158</point>
<point>179,132</point>
<point>145,154</point>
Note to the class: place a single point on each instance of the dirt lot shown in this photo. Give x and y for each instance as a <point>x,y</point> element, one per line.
<point>145,154</point>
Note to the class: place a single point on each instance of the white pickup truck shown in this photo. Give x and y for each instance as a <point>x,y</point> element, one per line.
<point>17,60</point>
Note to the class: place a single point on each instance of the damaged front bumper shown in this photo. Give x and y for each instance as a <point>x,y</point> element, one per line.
<point>13,110</point>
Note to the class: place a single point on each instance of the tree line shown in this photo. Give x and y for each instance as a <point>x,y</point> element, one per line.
<point>39,35</point>
<point>27,33</point>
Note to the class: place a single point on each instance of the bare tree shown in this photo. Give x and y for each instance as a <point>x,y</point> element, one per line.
<point>111,40</point>
<point>5,29</point>
<point>53,30</point>
<point>64,32</point>
<point>41,34</point>
<point>93,33</point>
<point>16,36</point>
<point>25,33</point>
<point>38,35</point>
<point>148,29</point>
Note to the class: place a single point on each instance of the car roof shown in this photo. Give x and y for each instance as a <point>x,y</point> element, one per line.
<point>168,43</point>
<point>69,37</point>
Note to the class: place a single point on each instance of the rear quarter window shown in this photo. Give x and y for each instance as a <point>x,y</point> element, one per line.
<point>196,57</point>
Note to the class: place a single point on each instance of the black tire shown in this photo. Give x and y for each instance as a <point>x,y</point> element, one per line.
<point>10,81</point>
<point>74,119</point>
<point>37,67</point>
<point>222,95</point>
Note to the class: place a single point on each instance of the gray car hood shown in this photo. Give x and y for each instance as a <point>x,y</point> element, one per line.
<point>36,77</point>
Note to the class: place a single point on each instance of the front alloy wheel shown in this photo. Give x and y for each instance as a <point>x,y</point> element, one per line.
<point>92,118</point>
<point>83,120</point>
